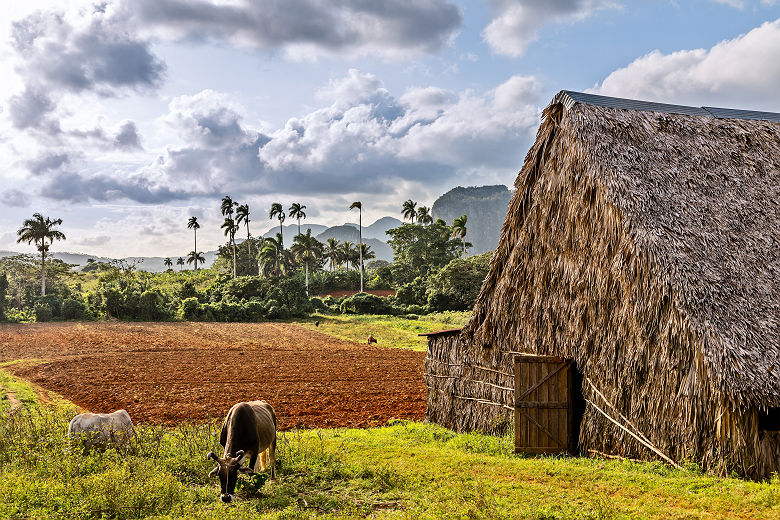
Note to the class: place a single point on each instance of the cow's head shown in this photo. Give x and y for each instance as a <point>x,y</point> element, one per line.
<point>227,469</point>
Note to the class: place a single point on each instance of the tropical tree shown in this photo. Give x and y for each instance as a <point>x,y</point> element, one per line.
<point>168,263</point>
<point>194,257</point>
<point>38,230</point>
<point>307,251</point>
<point>278,212</point>
<point>366,253</point>
<point>180,263</point>
<point>409,210</point>
<point>296,211</point>
<point>424,216</point>
<point>346,253</point>
<point>227,206</point>
<point>269,257</point>
<point>459,230</point>
<point>193,224</point>
<point>332,252</point>
<point>359,206</point>
<point>230,227</point>
<point>242,215</point>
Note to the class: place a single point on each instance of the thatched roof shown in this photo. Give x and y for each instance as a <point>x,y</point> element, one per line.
<point>698,190</point>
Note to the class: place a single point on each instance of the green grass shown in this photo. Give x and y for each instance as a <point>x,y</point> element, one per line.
<point>390,331</point>
<point>404,470</point>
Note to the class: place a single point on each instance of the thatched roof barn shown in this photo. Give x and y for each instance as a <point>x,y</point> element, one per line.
<point>643,244</point>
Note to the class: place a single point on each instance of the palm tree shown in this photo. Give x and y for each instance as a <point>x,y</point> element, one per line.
<point>269,255</point>
<point>346,252</point>
<point>359,206</point>
<point>168,263</point>
<point>424,215</point>
<point>193,257</point>
<point>308,251</point>
<point>38,230</point>
<point>180,263</point>
<point>278,212</point>
<point>230,227</point>
<point>459,230</point>
<point>242,215</point>
<point>332,252</point>
<point>296,211</point>
<point>227,206</point>
<point>366,253</point>
<point>193,224</point>
<point>409,211</point>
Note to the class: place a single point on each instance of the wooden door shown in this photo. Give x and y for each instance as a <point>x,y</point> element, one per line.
<point>543,410</point>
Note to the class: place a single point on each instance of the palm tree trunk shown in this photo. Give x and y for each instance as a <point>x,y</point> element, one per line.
<point>43,272</point>
<point>233,240</point>
<point>360,247</point>
<point>299,225</point>
<point>307,278</point>
<point>196,250</point>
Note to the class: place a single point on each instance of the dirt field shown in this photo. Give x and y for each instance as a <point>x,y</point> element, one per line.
<point>173,372</point>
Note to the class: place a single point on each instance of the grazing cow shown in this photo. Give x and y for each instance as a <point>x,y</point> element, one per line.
<point>248,431</point>
<point>371,339</point>
<point>102,429</point>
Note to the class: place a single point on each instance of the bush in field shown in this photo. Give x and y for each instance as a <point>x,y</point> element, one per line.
<point>413,293</point>
<point>455,287</point>
<point>151,305</point>
<point>290,292</point>
<point>318,304</point>
<point>364,303</point>
<point>191,310</point>
<point>43,312</point>
<point>74,309</point>
<point>53,301</point>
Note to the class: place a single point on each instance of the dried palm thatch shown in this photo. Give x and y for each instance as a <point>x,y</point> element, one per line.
<point>642,242</point>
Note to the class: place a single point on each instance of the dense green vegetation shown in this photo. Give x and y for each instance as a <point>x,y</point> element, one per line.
<point>256,280</point>
<point>403,470</point>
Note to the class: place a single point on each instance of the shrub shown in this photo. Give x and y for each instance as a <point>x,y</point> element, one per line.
<point>73,309</point>
<point>413,293</point>
<point>456,285</point>
<point>53,301</point>
<point>318,304</point>
<point>42,312</point>
<point>364,303</point>
<point>151,305</point>
<point>190,309</point>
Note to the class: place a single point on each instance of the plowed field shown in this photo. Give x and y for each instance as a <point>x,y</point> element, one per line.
<point>173,372</point>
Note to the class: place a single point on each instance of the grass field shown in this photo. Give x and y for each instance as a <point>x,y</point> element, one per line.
<point>403,470</point>
<point>389,331</point>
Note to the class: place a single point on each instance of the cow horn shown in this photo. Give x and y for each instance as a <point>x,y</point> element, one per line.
<point>213,472</point>
<point>240,456</point>
<point>212,455</point>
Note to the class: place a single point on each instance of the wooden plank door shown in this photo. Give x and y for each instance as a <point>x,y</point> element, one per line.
<point>543,410</point>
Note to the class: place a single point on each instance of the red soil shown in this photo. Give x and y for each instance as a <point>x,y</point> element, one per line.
<point>173,372</point>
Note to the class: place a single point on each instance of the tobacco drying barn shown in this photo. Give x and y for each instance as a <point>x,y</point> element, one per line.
<point>632,305</point>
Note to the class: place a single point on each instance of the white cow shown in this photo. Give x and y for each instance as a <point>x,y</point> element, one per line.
<point>102,429</point>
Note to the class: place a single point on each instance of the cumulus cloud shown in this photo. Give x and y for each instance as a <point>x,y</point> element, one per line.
<point>743,72</point>
<point>48,161</point>
<point>15,198</point>
<point>517,22</point>
<point>303,28</point>
<point>76,187</point>
<point>31,109</point>
<point>127,137</point>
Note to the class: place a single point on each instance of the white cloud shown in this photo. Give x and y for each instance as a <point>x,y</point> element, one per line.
<point>517,22</point>
<point>743,72</point>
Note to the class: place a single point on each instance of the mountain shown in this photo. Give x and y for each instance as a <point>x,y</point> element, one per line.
<point>347,232</point>
<point>291,230</point>
<point>377,229</point>
<point>152,264</point>
<point>486,208</point>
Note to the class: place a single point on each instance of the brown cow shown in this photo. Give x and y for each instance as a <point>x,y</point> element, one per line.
<point>248,431</point>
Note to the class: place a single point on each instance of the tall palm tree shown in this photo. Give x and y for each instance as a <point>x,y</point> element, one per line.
<point>193,224</point>
<point>227,206</point>
<point>366,253</point>
<point>459,230</point>
<point>307,251</point>
<point>409,210</point>
<point>296,211</point>
<point>38,230</point>
<point>424,215</point>
<point>230,227</point>
<point>194,257</point>
<point>278,212</point>
<point>242,215</point>
<point>168,263</point>
<point>346,252</point>
<point>332,252</point>
<point>359,206</point>
<point>180,263</point>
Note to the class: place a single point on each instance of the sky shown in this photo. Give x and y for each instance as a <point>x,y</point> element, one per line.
<point>126,117</point>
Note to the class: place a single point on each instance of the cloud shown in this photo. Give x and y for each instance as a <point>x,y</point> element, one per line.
<point>517,22</point>
<point>48,161</point>
<point>78,188</point>
<point>31,108</point>
<point>93,241</point>
<point>15,198</point>
<point>742,72</point>
<point>303,28</point>
<point>127,137</point>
